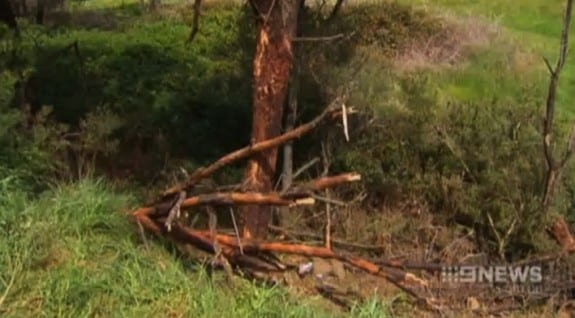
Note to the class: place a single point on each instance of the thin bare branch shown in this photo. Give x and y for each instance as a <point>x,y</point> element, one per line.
<point>553,169</point>
<point>175,210</point>
<point>236,230</point>
<point>196,20</point>
<point>565,36</point>
<point>305,167</point>
<point>319,38</point>
<point>335,11</point>
<point>548,64</point>
<point>267,17</point>
<point>328,200</point>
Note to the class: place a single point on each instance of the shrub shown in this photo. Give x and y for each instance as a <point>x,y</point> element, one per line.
<point>462,140</point>
<point>174,99</point>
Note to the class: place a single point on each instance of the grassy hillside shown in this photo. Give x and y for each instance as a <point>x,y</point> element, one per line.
<point>533,25</point>
<point>143,101</point>
<point>72,253</point>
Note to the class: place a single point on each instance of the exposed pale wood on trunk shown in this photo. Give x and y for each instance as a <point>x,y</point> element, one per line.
<point>272,66</point>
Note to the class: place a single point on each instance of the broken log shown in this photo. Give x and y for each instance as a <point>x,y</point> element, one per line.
<point>229,198</point>
<point>203,240</point>
<point>322,183</point>
<point>299,195</point>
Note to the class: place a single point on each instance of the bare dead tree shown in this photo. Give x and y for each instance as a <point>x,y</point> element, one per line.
<point>291,110</point>
<point>555,167</point>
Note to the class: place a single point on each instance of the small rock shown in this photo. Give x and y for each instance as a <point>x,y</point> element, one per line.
<point>305,269</point>
<point>473,303</point>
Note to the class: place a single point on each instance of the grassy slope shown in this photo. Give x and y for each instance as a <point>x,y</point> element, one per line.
<point>71,253</point>
<point>535,25</point>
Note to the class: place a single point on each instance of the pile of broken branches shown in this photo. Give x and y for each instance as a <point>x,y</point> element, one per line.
<point>248,256</point>
<point>162,217</point>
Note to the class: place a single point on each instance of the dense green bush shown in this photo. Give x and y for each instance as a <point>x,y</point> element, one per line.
<point>161,96</point>
<point>463,141</point>
<point>477,163</point>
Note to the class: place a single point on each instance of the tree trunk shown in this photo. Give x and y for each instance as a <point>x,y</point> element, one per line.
<point>155,4</point>
<point>40,12</point>
<point>290,119</point>
<point>277,25</point>
<point>7,15</point>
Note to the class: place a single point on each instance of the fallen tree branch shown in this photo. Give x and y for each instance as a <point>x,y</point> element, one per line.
<point>245,198</point>
<point>230,249</point>
<point>299,195</point>
<point>299,249</point>
<point>339,242</point>
<point>231,198</point>
<point>322,183</point>
<point>330,112</point>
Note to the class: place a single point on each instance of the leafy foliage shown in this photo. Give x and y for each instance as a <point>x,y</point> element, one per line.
<point>137,90</point>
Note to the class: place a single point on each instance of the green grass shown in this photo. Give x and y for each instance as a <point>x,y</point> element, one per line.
<point>534,27</point>
<point>72,253</point>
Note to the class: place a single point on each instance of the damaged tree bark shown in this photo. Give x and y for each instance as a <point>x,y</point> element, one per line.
<point>276,25</point>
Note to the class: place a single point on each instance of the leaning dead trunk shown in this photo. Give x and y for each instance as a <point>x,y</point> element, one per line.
<point>277,24</point>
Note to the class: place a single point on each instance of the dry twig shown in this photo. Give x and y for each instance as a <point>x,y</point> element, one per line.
<point>175,210</point>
